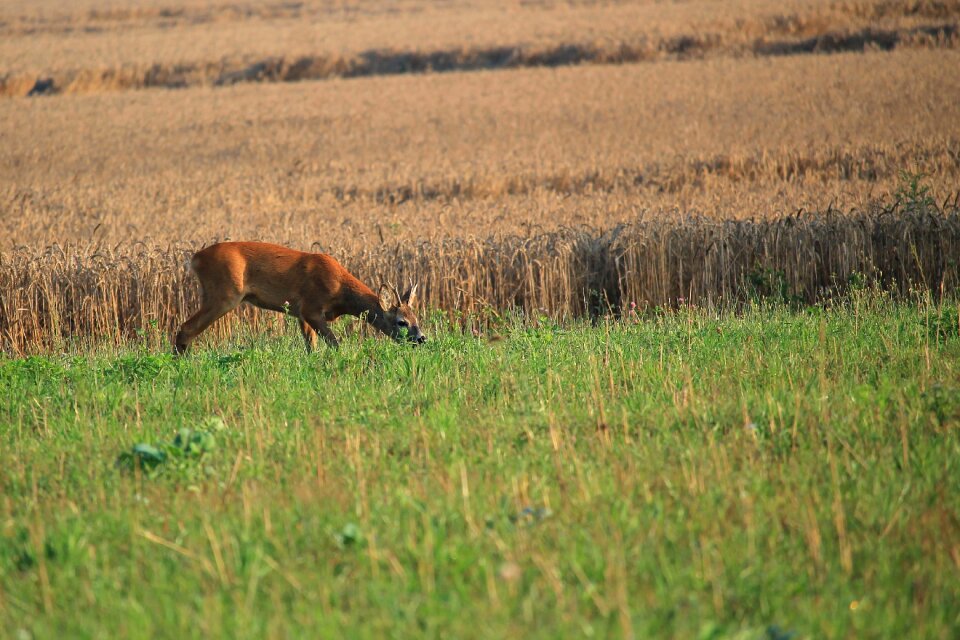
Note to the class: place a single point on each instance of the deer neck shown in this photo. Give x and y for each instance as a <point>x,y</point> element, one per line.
<point>362,302</point>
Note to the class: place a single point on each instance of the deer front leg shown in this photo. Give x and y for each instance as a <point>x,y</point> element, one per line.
<point>319,324</point>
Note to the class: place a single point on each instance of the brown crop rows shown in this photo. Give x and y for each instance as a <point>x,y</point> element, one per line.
<point>710,151</point>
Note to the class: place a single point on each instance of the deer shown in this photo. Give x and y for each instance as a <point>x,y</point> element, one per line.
<point>313,287</point>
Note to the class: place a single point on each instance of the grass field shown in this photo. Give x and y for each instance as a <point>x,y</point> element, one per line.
<point>770,474</point>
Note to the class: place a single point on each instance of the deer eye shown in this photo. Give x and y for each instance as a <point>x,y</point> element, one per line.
<point>402,323</point>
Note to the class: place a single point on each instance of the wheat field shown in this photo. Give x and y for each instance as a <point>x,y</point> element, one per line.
<point>136,132</point>
<point>92,45</point>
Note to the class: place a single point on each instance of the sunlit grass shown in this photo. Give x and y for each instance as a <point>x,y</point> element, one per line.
<point>674,475</point>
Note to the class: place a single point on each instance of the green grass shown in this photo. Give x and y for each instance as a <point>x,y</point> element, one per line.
<point>768,474</point>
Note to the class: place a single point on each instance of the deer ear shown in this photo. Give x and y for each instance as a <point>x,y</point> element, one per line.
<point>410,296</point>
<point>386,294</point>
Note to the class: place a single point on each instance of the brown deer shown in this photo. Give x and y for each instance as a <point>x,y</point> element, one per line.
<point>311,286</point>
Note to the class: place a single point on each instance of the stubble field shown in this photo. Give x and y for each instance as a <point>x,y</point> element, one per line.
<point>617,213</point>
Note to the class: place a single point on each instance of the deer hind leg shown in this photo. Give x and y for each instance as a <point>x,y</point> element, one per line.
<point>210,311</point>
<point>309,335</point>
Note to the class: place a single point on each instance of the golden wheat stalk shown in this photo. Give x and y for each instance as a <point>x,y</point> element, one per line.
<point>67,292</point>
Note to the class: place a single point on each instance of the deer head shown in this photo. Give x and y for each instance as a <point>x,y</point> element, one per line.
<point>399,320</point>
